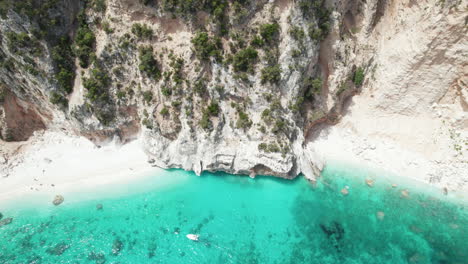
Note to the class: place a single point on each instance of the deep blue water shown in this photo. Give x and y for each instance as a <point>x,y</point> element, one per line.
<point>241,220</point>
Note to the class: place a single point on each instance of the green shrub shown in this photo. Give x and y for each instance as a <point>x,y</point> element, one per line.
<point>205,121</point>
<point>148,63</point>
<point>271,74</point>
<point>107,28</point>
<point>200,87</point>
<point>147,96</point>
<point>280,126</point>
<point>58,99</point>
<point>22,40</point>
<point>297,33</point>
<point>273,147</point>
<point>243,121</point>
<point>263,147</point>
<point>269,32</point>
<point>121,94</point>
<point>206,47</point>
<point>2,94</point>
<point>358,77</point>
<point>166,91</point>
<point>165,111</point>
<point>245,59</point>
<point>142,31</point>
<point>63,58</point>
<point>147,123</point>
<point>97,85</point>
<point>257,41</point>
<point>312,86</point>
<point>213,108</point>
<point>99,5</point>
<point>296,53</point>
<point>84,41</point>
<point>269,148</point>
<point>176,104</point>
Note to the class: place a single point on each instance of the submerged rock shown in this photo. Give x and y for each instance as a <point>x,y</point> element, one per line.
<point>99,258</point>
<point>344,191</point>
<point>380,215</point>
<point>405,194</point>
<point>99,207</point>
<point>58,200</point>
<point>58,249</point>
<point>370,182</point>
<point>117,247</point>
<point>6,221</point>
<point>1,216</point>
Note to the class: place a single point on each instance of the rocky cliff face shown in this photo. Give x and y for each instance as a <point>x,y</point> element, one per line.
<point>237,86</point>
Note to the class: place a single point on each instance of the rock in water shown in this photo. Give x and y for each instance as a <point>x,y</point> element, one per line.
<point>99,258</point>
<point>58,200</point>
<point>405,194</point>
<point>6,221</point>
<point>117,247</point>
<point>370,182</point>
<point>380,215</point>
<point>344,191</point>
<point>1,216</point>
<point>99,207</point>
<point>58,249</point>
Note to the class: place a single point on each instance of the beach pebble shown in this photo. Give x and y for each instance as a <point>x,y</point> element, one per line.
<point>58,200</point>
<point>405,194</point>
<point>370,182</point>
<point>380,215</point>
<point>47,160</point>
<point>344,191</point>
<point>3,160</point>
<point>99,207</point>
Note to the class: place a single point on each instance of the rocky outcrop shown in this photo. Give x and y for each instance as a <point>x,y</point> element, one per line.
<point>58,200</point>
<point>18,119</point>
<point>255,89</point>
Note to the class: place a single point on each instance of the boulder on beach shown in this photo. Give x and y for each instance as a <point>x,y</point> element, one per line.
<point>58,200</point>
<point>6,221</point>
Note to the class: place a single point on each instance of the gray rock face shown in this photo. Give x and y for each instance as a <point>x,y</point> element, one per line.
<point>265,122</point>
<point>58,200</point>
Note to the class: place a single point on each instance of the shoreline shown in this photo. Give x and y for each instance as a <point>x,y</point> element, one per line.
<point>56,164</point>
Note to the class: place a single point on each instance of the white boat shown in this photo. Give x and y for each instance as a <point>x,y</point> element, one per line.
<point>192,237</point>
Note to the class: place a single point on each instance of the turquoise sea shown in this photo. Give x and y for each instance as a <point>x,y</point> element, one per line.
<point>241,220</point>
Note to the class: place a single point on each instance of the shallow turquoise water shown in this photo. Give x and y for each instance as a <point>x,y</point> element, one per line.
<point>241,220</point>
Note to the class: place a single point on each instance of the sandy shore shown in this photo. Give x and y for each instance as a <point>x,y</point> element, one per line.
<point>54,163</point>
